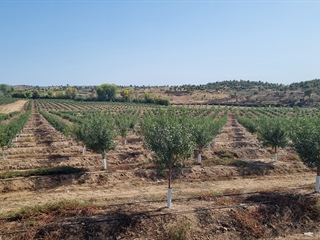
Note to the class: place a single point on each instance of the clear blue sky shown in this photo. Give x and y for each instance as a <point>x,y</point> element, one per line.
<point>158,42</point>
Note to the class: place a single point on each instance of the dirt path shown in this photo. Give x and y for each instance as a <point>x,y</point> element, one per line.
<point>12,107</point>
<point>138,190</point>
<point>235,138</point>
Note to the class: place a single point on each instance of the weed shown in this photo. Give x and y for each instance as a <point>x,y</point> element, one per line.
<point>179,231</point>
<point>31,211</point>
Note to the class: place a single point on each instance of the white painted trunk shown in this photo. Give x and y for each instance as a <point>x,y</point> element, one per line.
<point>125,142</point>
<point>317,183</point>
<point>104,163</point>
<point>169,197</point>
<point>83,150</point>
<point>199,158</point>
<point>16,139</point>
<point>276,156</point>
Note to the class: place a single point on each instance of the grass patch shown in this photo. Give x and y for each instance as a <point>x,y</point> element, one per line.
<point>225,154</point>
<point>225,162</point>
<point>42,172</point>
<point>33,211</point>
<point>180,230</point>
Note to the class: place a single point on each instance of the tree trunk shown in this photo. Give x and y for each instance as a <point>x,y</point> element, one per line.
<point>169,198</point>
<point>318,180</point>
<point>105,166</point>
<point>83,150</point>
<point>275,153</point>
<point>125,140</point>
<point>199,158</point>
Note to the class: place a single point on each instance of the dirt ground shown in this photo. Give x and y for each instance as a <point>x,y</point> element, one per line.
<point>12,107</point>
<point>131,181</point>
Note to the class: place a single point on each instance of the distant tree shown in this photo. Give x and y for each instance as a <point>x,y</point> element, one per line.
<point>126,95</point>
<point>5,89</point>
<point>50,94</point>
<point>308,92</point>
<point>106,92</point>
<point>36,94</point>
<point>71,92</point>
<point>28,94</point>
<point>147,98</point>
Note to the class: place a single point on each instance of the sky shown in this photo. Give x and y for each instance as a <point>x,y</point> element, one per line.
<point>155,42</point>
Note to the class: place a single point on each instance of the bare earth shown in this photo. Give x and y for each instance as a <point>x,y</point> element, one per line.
<point>12,107</point>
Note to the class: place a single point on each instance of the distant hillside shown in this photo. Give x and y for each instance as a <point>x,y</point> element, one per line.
<point>232,92</point>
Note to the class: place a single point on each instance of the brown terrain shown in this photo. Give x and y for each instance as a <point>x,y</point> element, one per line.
<point>12,107</point>
<point>255,198</point>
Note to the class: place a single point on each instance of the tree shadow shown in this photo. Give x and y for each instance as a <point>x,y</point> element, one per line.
<point>51,180</point>
<point>248,168</point>
<point>286,213</point>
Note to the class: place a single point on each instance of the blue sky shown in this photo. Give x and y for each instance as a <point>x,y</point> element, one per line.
<point>158,42</point>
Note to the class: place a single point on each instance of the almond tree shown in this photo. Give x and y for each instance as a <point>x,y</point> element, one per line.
<point>272,132</point>
<point>306,140</point>
<point>204,131</point>
<point>124,123</point>
<point>169,136</point>
<point>96,131</point>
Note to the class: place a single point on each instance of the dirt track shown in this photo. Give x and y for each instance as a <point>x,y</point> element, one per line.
<point>12,107</point>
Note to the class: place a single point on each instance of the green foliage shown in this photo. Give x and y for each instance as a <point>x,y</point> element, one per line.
<point>55,122</point>
<point>107,92</point>
<point>306,140</point>
<point>36,94</point>
<point>6,100</point>
<point>4,136</point>
<point>5,89</point>
<point>272,133</point>
<point>169,136</point>
<point>10,130</point>
<point>249,124</point>
<point>71,92</point>
<point>204,130</point>
<point>308,92</point>
<point>201,132</point>
<point>96,131</point>
<point>125,122</point>
<point>126,95</point>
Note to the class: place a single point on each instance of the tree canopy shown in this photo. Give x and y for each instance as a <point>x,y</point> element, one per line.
<point>169,136</point>
<point>106,92</point>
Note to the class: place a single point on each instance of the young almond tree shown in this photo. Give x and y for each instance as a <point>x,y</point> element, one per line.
<point>272,132</point>
<point>169,136</point>
<point>306,140</point>
<point>125,123</point>
<point>203,132</point>
<point>96,131</point>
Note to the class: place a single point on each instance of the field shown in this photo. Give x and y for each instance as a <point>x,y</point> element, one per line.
<point>51,190</point>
